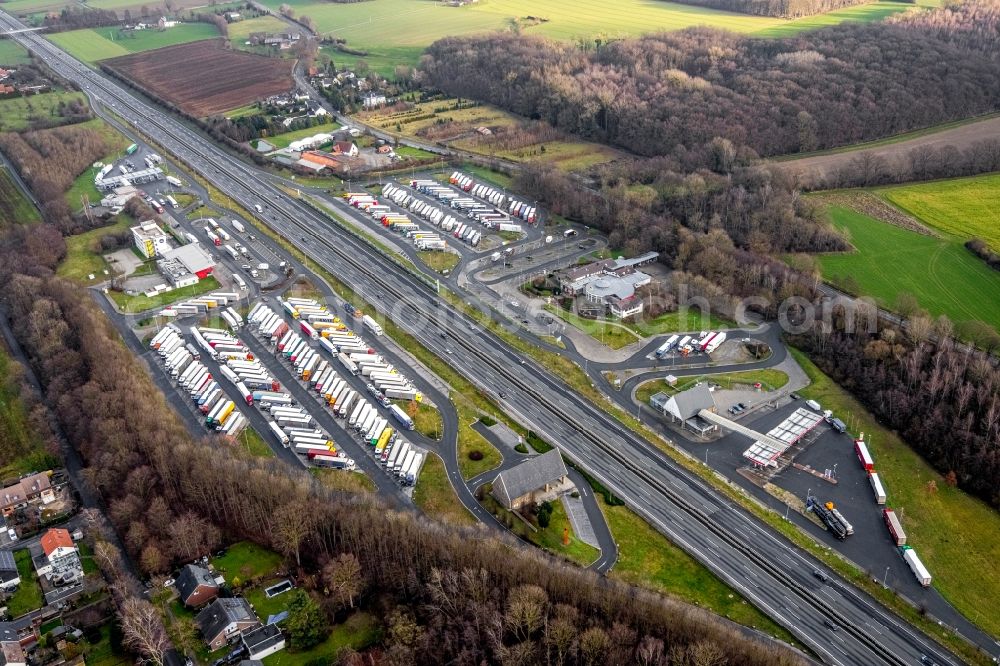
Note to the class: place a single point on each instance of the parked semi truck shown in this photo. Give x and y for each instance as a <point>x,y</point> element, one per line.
<point>916,566</point>
<point>894,526</point>
<point>826,514</point>
<point>865,458</point>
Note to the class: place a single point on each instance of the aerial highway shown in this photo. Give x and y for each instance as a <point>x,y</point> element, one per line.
<point>839,623</point>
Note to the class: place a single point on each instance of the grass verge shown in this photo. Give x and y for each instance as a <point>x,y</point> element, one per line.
<point>770,379</point>
<point>338,479</point>
<point>648,559</point>
<point>439,261</point>
<point>435,496</point>
<point>141,302</point>
<point>253,444</point>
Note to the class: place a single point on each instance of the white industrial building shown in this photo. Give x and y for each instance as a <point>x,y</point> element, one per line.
<point>186,265</point>
<point>119,196</point>
<point>150,239</point>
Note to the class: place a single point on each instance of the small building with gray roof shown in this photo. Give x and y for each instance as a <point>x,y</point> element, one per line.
<point>535,480</point>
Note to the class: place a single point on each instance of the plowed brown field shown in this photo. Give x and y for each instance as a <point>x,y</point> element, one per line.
<point>204,78</point>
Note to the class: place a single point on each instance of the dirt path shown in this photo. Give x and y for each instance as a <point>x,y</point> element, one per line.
<point>818,166</point>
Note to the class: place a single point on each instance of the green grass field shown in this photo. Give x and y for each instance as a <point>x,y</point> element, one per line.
<point>83,255</point>
<point>96,44</point>
<point>962,207</point>
<point>240,31</point>
<point>17,113</point>
<point>251,442</point>
<point>15,208</point>
<point>396,31</point>
<point>19,438</point>
<point>12,53</point>
<point>943,276</point>
<point>955,534</point>
<point>357,632</point>
<point>29,595</point>
<point>248,561</point>
<point>23,7</point>
<point>282,140</point>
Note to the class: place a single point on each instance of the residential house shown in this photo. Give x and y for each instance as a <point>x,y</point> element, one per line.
<point>196,585</point>
<point>373,100</point>
<point>232,17</point>
<point>315,109</point>
<point>345,148</point>
<point>11,652</point>
<point>37,487</point>
<point>685,406</point>
<point>224,620</point>
<point>62,558</point>
<point>4,73</point>
<point>535,480</point>
<point>263,641</point>
<point>9,575</point>
<point>384,149</point>
<point>19,633</point>
<point>163,23</point>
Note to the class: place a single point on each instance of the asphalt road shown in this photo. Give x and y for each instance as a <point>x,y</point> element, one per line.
<point>744,552</point>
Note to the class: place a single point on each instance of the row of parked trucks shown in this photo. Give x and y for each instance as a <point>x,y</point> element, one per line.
<point>202,304</point>
<point>515,208</point>
<point>706,342</point>
<point>321,375</point>
<point>424,239</point>
<point>291,424</point>
<point>889,516</point>
<point>351,351</point>
<point>182,362</point>
<point>488,216</point>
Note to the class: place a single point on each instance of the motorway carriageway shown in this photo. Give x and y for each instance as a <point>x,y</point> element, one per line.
<point>741,550</point>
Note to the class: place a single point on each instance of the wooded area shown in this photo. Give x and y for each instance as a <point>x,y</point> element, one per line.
<point>672,93</point>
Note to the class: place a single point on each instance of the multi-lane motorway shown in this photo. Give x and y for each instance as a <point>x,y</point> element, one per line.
<point>839,623</point>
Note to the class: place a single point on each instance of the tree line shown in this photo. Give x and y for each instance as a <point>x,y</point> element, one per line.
<point>49,161</point>
<point>665,93</point>
<point>943,400</point>
<point>779,8</point>
<point>447,595</point>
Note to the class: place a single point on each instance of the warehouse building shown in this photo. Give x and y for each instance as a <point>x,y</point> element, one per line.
<point>186,265</point>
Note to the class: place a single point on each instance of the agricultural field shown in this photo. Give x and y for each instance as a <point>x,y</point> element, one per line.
<point>18,113</point>
<point>205,78</point>
<point>962,207</point>
<point>944,277</point>
<point>15,208</point>
<point>447,121</point>
<point>12,53</point>
<point>25,7</point>
<point>396,31</point>
<point>92,45</point>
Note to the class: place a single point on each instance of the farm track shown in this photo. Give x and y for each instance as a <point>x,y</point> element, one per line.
<point>809,169</point>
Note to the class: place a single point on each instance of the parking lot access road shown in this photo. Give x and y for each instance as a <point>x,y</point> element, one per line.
<point>742,550</point>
